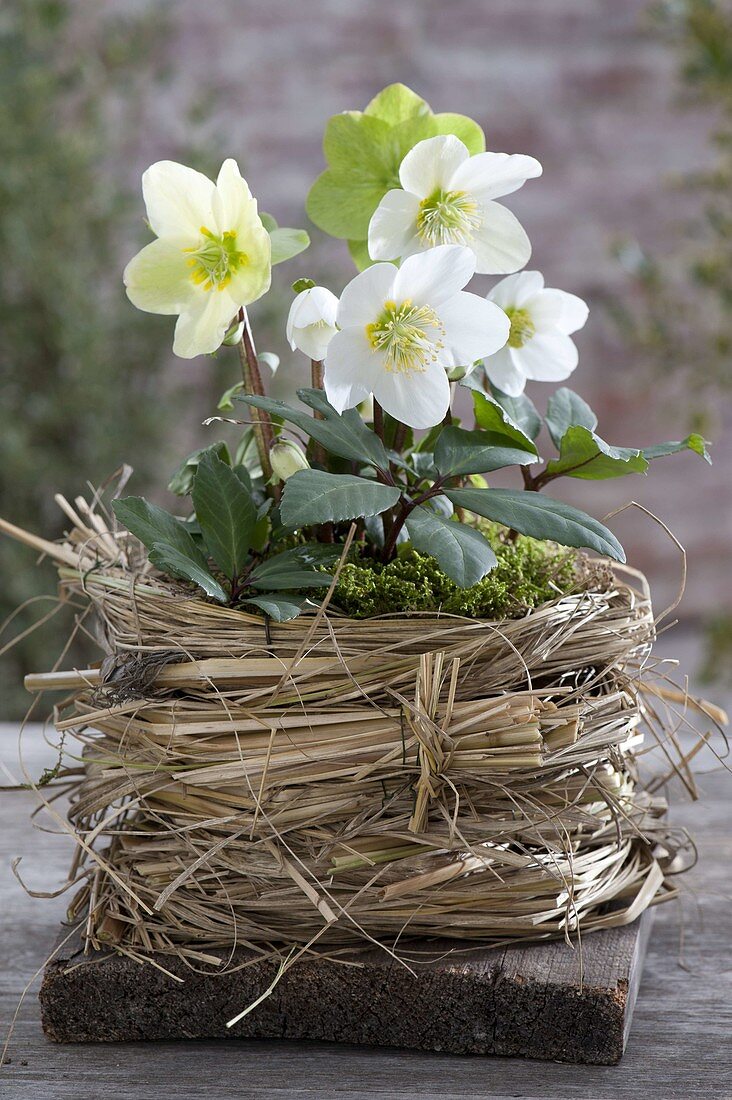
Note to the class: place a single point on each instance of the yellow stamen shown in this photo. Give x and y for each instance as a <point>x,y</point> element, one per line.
<point>215,259</point>
<point>407,335</point>
<point>522,327</point>
<point>447,217</point>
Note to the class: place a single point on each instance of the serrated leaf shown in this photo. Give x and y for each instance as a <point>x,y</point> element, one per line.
<point>583,454</point>
<point>287,243</point>
<point>280,606</point>
<point>515,417</point>
<point>169,560</point>
<point>344,434</point>
<point>181,482</point>
<point>461,551</point>
<point>294,568</point>
<point>226,512</point>
<point>289,579</point>
<point>693,442</point>
<point>461,452</point>
<point>565,410</point>
<point>152,525</point>
<point>313,496</point>
<point>540,517</point>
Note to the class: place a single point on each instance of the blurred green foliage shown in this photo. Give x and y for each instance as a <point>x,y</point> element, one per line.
<point>80,369</point>
<point>679,314</point>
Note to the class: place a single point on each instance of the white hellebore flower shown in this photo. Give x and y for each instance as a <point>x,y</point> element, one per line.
<point>403,328</point>
<point>212,255</point>
<point>311,323</point>
<point>447,198</point>
<point>539,346</point>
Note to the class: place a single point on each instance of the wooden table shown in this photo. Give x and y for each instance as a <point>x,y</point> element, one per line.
<point>680,1044</point>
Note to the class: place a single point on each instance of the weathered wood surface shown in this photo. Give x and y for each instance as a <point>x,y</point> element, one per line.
<point>544,1001</point>
<point>679,1045</point>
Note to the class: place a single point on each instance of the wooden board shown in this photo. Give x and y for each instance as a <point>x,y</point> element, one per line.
<point>678,1048</point>
<point>546,1001</point>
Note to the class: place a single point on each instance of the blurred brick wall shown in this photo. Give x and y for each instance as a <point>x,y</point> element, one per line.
<point>579,84</point>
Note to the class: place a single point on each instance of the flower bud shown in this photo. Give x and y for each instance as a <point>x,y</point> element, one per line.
<point>311,324</point>
<point>287,458</point>
<point>234,334</point>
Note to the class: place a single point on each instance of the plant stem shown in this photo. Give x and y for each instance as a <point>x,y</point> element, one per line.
<point>378,420</point>
<point>316,377</point>
<point>263,432</point>
<point>396,523</point>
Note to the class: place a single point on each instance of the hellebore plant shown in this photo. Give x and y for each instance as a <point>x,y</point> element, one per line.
<point>372,444</point>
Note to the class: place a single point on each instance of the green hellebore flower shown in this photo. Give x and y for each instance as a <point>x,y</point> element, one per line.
<point>364,150</point>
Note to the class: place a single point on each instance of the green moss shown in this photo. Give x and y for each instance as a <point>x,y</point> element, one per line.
<point>528,574</point>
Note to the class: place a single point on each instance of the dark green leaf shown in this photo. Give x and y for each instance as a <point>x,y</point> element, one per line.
<point>226,512</point>
<point>152,525</point>
<point>313,496</point>
<point>345,435</point>
<point>169,560</point>
<point>539,516</point>
<point>463,553</point>
<point>521,412</point>
<point>584,455</point>
<point>565,410</point>
<point>280,606</point>
<point>460,452</point>
<point>288,579</point>
<point>181,482</point>
<point>295,568</point>
<point>492,417</point>
<point>693,442</point>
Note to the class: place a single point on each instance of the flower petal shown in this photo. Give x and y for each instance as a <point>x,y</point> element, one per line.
<point>434,276</point>
<point>252,280</point>
<point>489,175</point>
<point>158,278</point>
<point>473,327</point>
<point>544,309</point>
<point>179,201</point>
<point>417,398</point>
<point>362,301</point>
<point>314,305</point>
<point>234,207</point>
<point>393,226</point>
<point>313,340</point>
<point>500,245</point>
<point>202,326</point>
<point>431,164</point>
<point>547,357</point>
<point>505,374</point>
<point>515,290</point>
<point>351,364</point>
<point>573,311</point>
